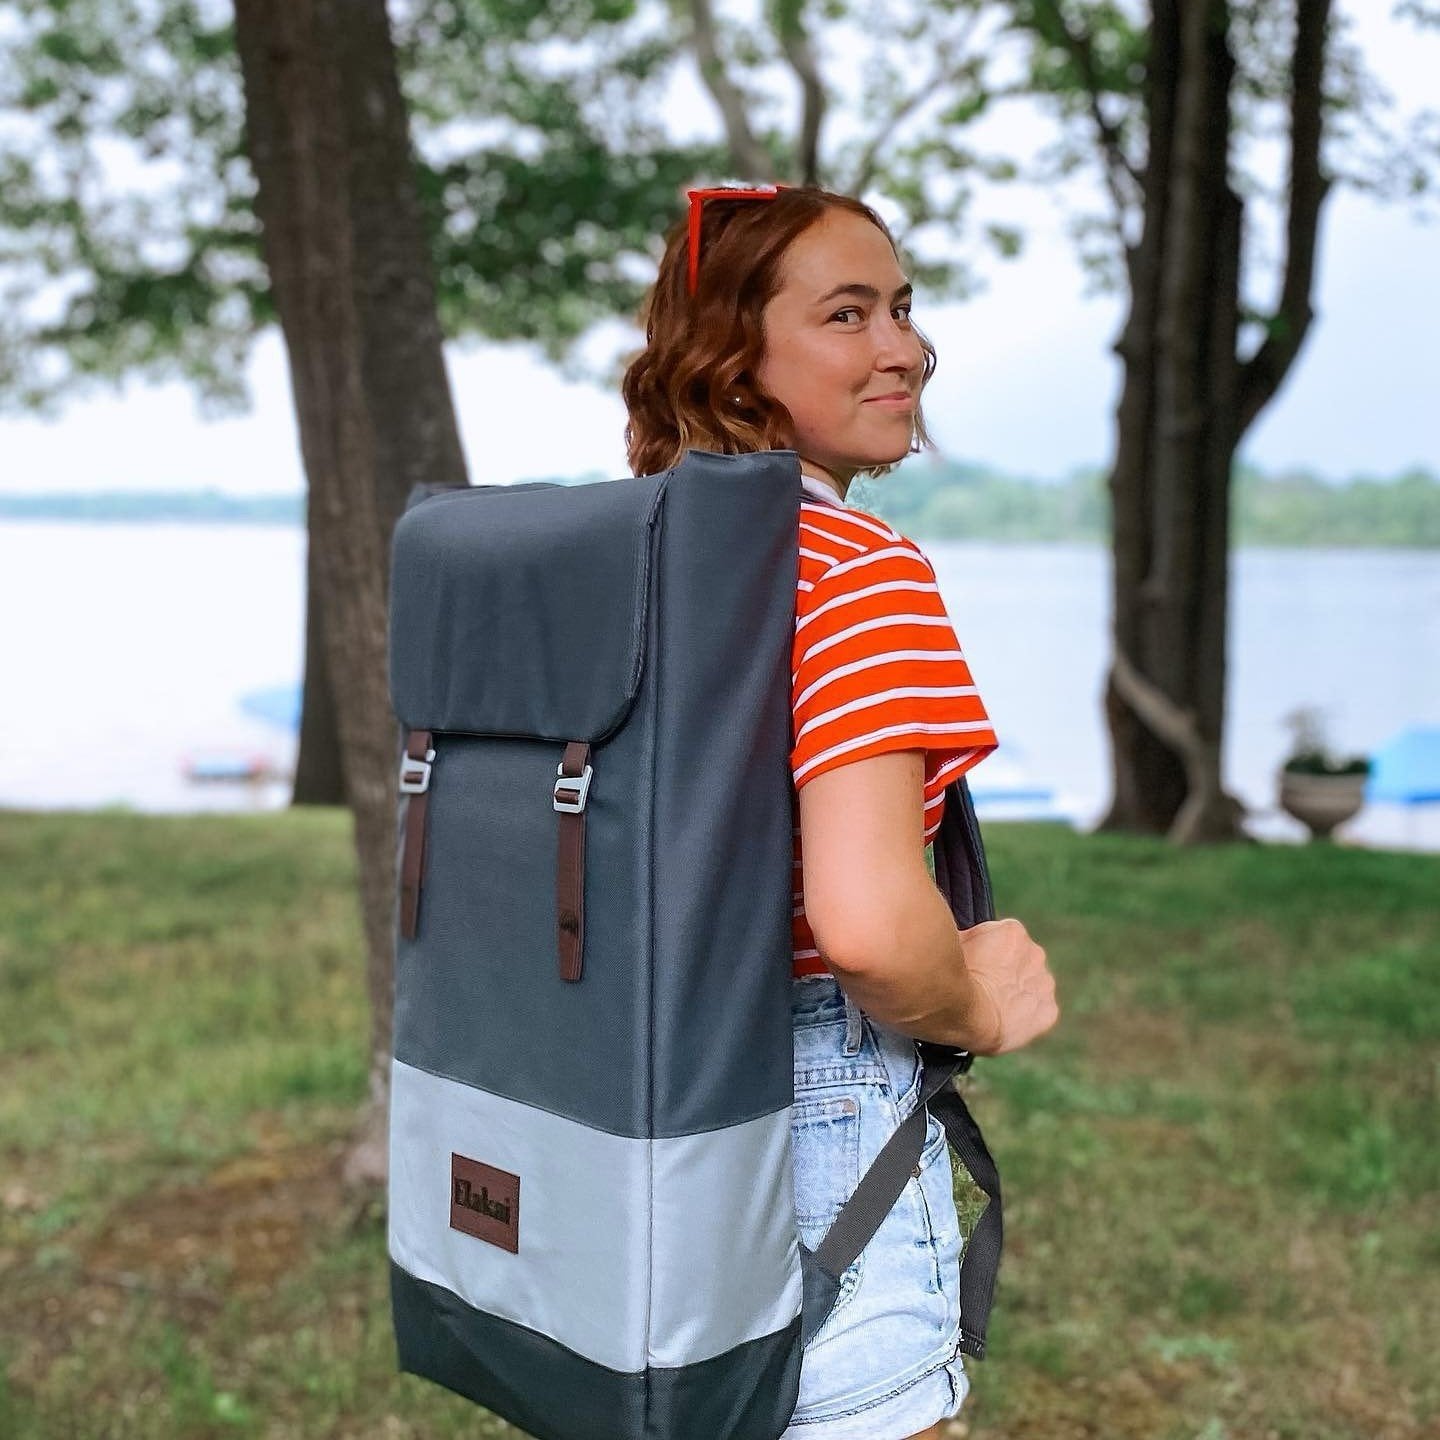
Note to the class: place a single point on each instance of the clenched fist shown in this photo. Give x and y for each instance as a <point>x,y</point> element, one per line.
<point>1015,992</point>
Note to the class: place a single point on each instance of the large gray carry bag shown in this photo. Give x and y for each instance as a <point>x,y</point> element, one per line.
<point>591,1220</point>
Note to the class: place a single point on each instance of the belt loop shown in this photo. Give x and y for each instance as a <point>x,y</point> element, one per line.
<point>854,1034</point>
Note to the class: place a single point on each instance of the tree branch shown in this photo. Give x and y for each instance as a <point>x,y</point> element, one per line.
<point>1118,170</point>
<point>1262,375</point>
<point>1160,715</point>
<point>1206,805</point>
<point>751,159</point>
<point>790,28</point>
<point>948,69</point>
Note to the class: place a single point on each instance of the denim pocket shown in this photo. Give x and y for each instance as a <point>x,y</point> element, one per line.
<point>825,1133</point>
<point>935,1142</point>
<point>825,1143</point>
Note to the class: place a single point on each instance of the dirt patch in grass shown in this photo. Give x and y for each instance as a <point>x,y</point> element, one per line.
<point>1133,1041</point>
<point>250,1222</point>
<point>1130,1041</point>
<point>181,1252</point>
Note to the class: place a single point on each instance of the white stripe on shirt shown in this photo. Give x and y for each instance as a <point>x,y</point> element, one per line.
<point>924,587</point>
<point>889,657</point>
<point>883,622</point>
<point>826,717</point>
<point>960,727</point>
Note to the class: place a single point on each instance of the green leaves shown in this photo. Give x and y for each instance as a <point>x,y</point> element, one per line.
<point>545,158</point>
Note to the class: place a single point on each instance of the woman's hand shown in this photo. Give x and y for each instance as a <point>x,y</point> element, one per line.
<point>1015,992</point>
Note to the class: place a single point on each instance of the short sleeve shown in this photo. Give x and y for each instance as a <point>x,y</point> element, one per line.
<point>877,666</point>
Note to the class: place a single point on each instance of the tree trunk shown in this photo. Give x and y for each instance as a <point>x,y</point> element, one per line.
<point>1178,429</point>
<point>318,777</point>
<point>402,351</point>
<point>402,347</point>
<point>297,143</point>
<point>402,358</point>
<point>1146,791</point>
<point>1188,399</point>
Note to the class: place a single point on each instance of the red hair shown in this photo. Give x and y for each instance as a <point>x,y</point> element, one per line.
<point>703,350</point>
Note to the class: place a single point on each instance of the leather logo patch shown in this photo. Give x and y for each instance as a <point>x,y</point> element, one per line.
<point>485,1202</point>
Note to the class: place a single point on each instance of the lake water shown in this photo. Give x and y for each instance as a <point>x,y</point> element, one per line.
<point>125,647</point>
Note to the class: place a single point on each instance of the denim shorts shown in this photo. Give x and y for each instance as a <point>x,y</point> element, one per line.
<point>886,1363</point>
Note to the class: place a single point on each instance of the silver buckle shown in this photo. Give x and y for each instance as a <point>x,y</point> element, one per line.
<point>415,774</point>
<point>580,784</point>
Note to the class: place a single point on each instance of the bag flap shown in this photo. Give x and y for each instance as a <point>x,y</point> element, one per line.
<point>521,609</point>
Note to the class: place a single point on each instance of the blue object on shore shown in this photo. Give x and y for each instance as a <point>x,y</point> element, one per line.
<point>1002,788</point>
<point>277,705</point>
<point>1405,770</point>
<point>990,794</point>
<point>221,766</point>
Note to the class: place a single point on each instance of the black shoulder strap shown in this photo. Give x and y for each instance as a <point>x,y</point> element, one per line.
<point>963,878</point>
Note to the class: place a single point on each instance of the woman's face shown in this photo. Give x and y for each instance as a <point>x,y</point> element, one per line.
<point>838,347</point>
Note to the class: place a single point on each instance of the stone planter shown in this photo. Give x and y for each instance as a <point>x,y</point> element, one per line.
<point>1321,802</point>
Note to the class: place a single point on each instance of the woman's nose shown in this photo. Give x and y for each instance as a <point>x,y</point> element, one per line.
<point>898,346</point>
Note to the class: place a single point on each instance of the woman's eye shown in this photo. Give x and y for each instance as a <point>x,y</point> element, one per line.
<point>901,312</point>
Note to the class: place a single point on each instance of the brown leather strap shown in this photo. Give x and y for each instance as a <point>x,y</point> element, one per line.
<point>570,858</point>
<point>414,781</point>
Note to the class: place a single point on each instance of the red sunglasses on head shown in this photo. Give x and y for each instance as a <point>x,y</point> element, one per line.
<point>719,192</point>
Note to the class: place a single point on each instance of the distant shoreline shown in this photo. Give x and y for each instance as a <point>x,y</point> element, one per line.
<point>935,501</point>
<point>146,507</point>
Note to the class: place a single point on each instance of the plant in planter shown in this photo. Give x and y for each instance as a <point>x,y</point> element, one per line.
<point>1320,789</point>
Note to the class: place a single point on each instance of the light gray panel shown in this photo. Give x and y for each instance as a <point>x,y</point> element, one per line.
<point>581,1275</point>
<point>721,1205</point>
<point>724,1238</point>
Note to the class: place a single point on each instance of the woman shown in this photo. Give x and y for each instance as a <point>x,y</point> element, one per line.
<point>780,318</point>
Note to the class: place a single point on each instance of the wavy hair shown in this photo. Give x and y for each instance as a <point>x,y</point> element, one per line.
<point>703,350</point>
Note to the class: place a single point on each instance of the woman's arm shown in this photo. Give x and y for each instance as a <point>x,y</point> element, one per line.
<point>887,932</point>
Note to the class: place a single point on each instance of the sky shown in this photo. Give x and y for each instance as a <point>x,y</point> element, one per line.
<point>1026,382</point>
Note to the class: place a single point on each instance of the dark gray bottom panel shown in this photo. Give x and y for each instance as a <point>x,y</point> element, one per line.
<point>554,1394</point>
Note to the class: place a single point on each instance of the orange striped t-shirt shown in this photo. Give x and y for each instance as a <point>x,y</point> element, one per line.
<point>875,666</point>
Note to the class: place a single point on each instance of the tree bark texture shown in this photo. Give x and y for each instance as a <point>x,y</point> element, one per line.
<point>298,145</point>
<point>402,347</point>
<point>1183,410</point>
<point>417,439</point>
<point>319,779</point>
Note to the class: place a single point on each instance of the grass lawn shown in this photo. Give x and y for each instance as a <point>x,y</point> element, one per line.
<point>1221,1170</point>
